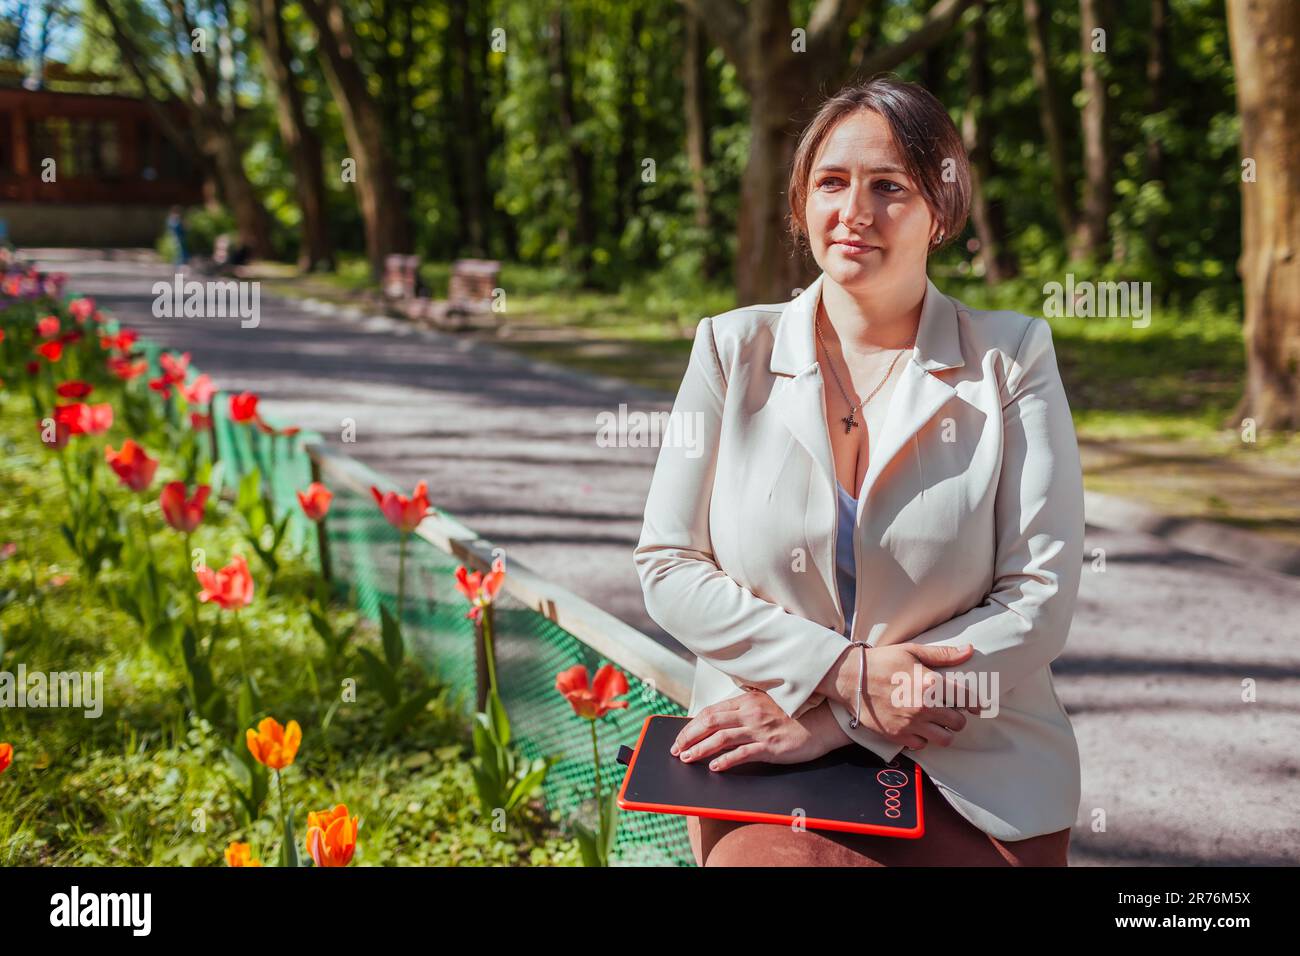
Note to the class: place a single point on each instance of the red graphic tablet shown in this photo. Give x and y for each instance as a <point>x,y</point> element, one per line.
<point>849,789</point>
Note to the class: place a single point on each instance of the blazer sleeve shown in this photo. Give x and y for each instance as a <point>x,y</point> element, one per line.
<point>1022,624</point>
<point>754,641</point>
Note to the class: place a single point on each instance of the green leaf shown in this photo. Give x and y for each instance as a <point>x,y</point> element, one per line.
<point>500,719</point>
<point>407,711</point>
<point>391,630</point>
<point>162,638</point>
<point>383,679</point>
<point>289,847</point>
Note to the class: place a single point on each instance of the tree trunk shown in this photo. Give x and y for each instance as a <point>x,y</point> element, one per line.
<point>382,210</point>
<point>696,103</point>
<point>1265,38</point>
<point>1157,70</point>
<point>990,223</point>
<point>473,152</point>
<point>1092,232</point>
<point>784,88</point>
<point>1049,113</point>
<point>580,161</point>
<point>300,140</point>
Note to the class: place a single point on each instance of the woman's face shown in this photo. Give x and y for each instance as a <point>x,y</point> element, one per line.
<point>867,223</point>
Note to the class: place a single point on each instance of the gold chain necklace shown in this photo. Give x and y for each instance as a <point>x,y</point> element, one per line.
<point>849,422</point>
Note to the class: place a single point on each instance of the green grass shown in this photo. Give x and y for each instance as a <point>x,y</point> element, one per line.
<point>145,783</point>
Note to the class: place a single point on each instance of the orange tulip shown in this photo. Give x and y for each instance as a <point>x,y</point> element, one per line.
<point>273,746</point>
<point>6,756</point>
<point>230,588</point>
<point>480,588</point>
<point>331,836</point>
<point>133,466</point>
<point>597,700</point>
<point>315,501</point>
<point>240,854</point>
<point>181,514</point>
<point>403,513</point>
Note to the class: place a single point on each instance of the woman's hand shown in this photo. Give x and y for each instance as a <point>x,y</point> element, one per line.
<point>753,728</point>
<point>912,723</point>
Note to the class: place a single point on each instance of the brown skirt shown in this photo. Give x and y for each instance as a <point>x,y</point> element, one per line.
<point>950,840</point>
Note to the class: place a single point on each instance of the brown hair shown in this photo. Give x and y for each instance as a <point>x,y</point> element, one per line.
<point>924,134</point>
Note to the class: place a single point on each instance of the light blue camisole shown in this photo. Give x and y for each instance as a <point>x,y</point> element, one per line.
<point>845,568</point>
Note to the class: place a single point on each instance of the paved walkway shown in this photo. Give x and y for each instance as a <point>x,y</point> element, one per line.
<point>1182,769</point>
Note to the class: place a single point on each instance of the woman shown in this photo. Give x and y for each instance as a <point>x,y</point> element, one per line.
<point>923,499</point>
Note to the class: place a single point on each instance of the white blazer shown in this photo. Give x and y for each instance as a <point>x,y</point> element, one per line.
<point>969,530</point>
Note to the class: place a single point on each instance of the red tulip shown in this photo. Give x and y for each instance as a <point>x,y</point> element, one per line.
<point>199,391</point>
<point>133,466</point>
<point>82,308</point>
<point>74,389</point>
<point>230,588</point>
<point>404,514</point>
<point>174,369</point>
<point>315,501</point>
<point>69,338</point>
<point>6,756</point>
<point>47,327</point>
<point>162,385</point>
<point>200,422</point>
<point>597,700</point>
<point>243,407</point>
<point>32,367</point>
<point>50,351</point>
<point>125,369</point>
<point>480,588</point>
<point>83,419</point>
<point>181,514</point>
<point>121,342</point>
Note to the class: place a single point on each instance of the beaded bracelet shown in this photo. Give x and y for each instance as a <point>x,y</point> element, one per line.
<point>862,674</point>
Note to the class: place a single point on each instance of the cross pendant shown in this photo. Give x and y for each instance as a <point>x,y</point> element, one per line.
<point>849,422</point>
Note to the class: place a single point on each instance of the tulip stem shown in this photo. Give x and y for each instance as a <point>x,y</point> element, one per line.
<point>239,636</point>
<point>401,577</point>
<point>600,814</point>
<point>489,652</point>
<point>144,530</point>
<point>194,595</point>
<point>284,813</point>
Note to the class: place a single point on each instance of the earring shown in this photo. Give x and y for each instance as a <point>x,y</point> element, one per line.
<point>937,239</point>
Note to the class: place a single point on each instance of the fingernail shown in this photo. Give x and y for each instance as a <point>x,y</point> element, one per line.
<point>714,765</point>
<point>673,751</point>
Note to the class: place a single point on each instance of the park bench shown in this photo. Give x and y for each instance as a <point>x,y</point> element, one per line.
<point>470,294</point>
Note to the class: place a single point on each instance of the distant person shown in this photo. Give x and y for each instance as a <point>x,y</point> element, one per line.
<point>176,227</point>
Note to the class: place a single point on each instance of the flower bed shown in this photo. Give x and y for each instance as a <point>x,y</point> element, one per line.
<point>204,640</point>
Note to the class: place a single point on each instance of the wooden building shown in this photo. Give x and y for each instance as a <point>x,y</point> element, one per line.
<point>87,169</point>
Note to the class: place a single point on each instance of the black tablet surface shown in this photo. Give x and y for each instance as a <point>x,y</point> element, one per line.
<point>849,789</point>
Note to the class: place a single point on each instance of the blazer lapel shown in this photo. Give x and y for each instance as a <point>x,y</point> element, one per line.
<point>918,395</point>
